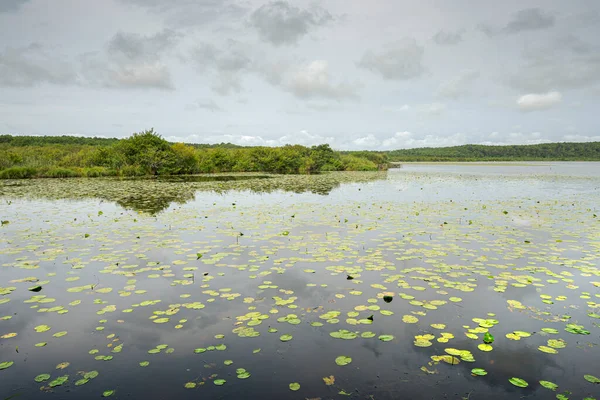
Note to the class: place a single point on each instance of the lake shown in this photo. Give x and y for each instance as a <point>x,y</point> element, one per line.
<point>430,281</point>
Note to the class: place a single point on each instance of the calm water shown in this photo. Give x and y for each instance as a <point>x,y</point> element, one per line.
<point>239,262</point>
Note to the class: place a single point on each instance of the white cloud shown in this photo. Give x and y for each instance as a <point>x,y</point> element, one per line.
<point>366,142</point>
<point>537,102</point>
<point>408,140</point>
<point>314,80</point>
<point>431,109</point>
<point>458,86</point>
<point>400,60</point>
<point>153,75</point>
<point>302,137</point>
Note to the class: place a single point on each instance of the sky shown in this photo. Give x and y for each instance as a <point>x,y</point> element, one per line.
<point>356,74</point>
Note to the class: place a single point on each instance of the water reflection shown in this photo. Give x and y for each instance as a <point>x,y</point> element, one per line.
<point>153,195</point>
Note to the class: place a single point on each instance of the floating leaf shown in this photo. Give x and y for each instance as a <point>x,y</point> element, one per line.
<point>329,380</point>
<point>478,371</point>
<point>343,360</point>
<point>42,328</point>
<point>591,379</point>
<point>294,386</point>
<point>59,381</point>
<point>549,385</point>
<point>91,375</point>
<point>219,382</point>
<point>285,338</point>
<point>386,338</point>
<point>485,347</point>
<point>108,393</point>
<point>42,378</point>
<point>518,382</point>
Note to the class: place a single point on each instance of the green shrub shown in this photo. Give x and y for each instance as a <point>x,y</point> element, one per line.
<point>132,170</point>
<point>18,173</point>
<point>94,172</point>
<point>60,172</point>
<point>353,163</point>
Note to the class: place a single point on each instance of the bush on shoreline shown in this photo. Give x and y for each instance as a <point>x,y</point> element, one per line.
<point>147,153</point>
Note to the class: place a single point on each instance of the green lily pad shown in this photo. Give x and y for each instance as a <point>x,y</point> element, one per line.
<point>591,379</point>
<point>285,338</point>
<point>91,374</point>
<point>219,382</point>
<point>518,382</point>
<point>549,385</point>
<point>42,378</point>
<point>59,381</point>
<point>108,393</point>
<point>6,364</point>
<point>343,360</point>
<point>294,386</point>
<point>478,372</point>
<point>386,338</point>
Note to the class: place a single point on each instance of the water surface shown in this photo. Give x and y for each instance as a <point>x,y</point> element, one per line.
<point>237,263</point>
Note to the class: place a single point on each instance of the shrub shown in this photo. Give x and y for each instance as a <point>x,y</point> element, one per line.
<point>18,173</point>
<point>60,172</point>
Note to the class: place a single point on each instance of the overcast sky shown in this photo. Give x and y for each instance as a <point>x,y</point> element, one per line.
<point>353,73</point>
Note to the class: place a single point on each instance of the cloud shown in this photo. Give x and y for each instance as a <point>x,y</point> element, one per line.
<point>135,47</point>
<point>192,13</point>
<point>537,102</point>
<point>563,63</point>
<point>313,80</point>
<point>227,64</point>
<point>400,60</point>
<point>208,105</point>
<point>528,20</point>
<point>281,23</point>
<point>458,86</point>
<point>11,5</point>
<point>445,38</point>
<point>131,61</point>
<point>366,142</point>
<point>431,109</point>
<point>33,65</point>
<point>408,140</point>
<point>302,137</point>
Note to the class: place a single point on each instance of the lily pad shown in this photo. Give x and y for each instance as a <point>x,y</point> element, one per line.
<point>549,385</point>
<point>42,378</point>
<point>518,382</point>
<point>478,372</point>
<point>343,360</point>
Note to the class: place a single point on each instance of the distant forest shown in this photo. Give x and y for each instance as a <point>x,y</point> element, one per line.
<point>536,152</point>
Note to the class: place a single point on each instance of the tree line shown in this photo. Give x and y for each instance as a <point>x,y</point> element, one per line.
<point>147,153</point>
<point>537,152</point>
